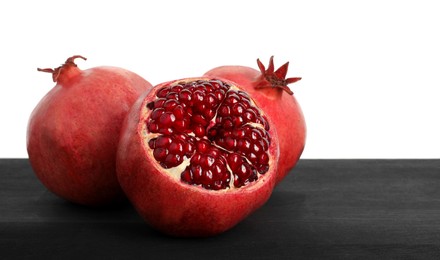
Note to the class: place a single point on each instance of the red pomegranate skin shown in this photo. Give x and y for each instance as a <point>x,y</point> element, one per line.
<point>282,108</point>
<point>171,206</point>
<point>73,132</point>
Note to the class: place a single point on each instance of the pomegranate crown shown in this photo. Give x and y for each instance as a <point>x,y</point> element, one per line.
<point>271,78</point>
<point>70,62</point>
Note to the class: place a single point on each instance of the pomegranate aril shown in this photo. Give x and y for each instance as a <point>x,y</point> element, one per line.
<point>214,152</point>
<point>209,114</point>
<point>199,131</point>
<point>249,115</point>
<point>230,143</point>
<point>200,107</point>
<point>163,92</point>
<point>163,141</point>
<point>198,96</point>
<point>211,100</point>
<point>256,148</point>
<point>232,98</point>
<point>185,176</point>
<point>199,119</point>
<point>155,115</point>
<point>179,112</point>
<point>224,111</point>
<point>227,123</point>
<point>176,88</point>
<point>172,160</point>
<point>252,157</point>
<point>219,94</point>
<point>207,161</point>
<point>238,132</point>
<point>263,159</point>
<point>176,148</point>
<point>170,104</point>
<point>160,154</point>
<point>237,109</point>
<point>152,143</point>
<point>197,173</point>
<point>185,95</point>
<point>244,145</point>
<point>182,125</point>
<point>172,96</point>
<point>202,146</point>
<point>238,121</point>
<point>234,161</point>
<point>152,127</point>
<point>167,119</point>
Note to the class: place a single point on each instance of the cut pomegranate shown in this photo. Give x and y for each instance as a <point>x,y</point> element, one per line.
<point>198,146</point>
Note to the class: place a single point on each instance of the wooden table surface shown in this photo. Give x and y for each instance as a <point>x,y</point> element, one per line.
<point>325,209</point>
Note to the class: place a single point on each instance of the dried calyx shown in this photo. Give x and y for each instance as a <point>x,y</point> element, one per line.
<point>271,78</point>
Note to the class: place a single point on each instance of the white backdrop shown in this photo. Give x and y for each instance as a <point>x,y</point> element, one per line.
<point>371,69</point>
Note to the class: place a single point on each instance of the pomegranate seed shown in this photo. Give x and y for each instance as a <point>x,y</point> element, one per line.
<point>249,115</point>
<point>199,119</point>
<point>198,96</point>
<point>157,113</point>
<point>159,102</point>
<point>185,95</point>
<point>176,148</point>
<point>176,88</point>
<point>167,119</point>
<point>163,92</point>
<point>172,160</point>
<point>172,95</point>
<point>163,141</point>
<point>186,175</point>
<point>224,111</point>
<point>152,143</point>
<point>153,127</point>
<point>170,104</point>
<point>199,131</point>
<point>237,109</point>
<point>202,146</point>
<point>160,154</point>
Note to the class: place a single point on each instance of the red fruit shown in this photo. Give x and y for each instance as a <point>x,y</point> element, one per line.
<point>73,132</point>
<point>269,88</point>
<point>190,160</point>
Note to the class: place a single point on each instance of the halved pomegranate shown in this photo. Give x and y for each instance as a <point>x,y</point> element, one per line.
<point>196,156</point>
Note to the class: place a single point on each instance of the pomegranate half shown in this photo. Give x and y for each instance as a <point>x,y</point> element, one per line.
<point>73,132</point>
<point>196,156</point>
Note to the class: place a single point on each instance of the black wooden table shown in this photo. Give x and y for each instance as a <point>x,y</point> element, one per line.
<point>325,209</point>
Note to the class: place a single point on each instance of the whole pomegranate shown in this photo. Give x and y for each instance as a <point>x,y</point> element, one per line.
<point>269,88</point>
<point>73,132</point>
<point>196,156</point>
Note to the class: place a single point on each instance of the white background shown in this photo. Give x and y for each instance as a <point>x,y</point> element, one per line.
<point>370,69</point>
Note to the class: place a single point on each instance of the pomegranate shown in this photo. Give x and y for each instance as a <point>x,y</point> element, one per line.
<point>269,88</point>
<point>196,156</point>
<point>73,132</point>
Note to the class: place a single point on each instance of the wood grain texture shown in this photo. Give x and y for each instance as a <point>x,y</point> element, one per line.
<point>325,209</point>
